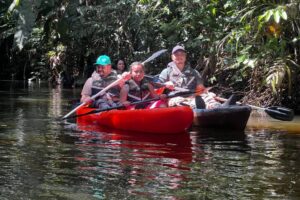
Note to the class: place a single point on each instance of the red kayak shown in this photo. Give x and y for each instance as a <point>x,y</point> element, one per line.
<point>169,120</point>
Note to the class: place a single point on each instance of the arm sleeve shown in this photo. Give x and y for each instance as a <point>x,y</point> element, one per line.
<point>124,93</point>
<point>163,76</point>
<point>87,88</point>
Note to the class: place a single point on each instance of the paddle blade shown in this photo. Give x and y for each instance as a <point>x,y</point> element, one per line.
<point>155,55</point>
<point>280,113</point>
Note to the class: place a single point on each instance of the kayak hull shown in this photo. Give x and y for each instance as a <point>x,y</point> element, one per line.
<point>158,120</point>
<point>232,117</point>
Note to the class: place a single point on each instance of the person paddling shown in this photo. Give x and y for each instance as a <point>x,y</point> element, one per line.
<point>139,88</point>
<point>179,73</point>
<point>102,77</point>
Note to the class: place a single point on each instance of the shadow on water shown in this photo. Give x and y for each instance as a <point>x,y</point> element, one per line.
<point>219,134</point>
<point>221,140</point>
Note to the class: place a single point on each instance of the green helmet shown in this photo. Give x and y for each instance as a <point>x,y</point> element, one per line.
<point>103,60</point>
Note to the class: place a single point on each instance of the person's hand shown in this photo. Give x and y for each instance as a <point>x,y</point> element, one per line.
<point>169,85</point>
<point>122,83</point>
<point>87,100</point>
<point>126,103</point>
<point>126,76</point>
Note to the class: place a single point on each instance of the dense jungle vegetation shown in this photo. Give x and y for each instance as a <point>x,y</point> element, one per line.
<point>249,47</point>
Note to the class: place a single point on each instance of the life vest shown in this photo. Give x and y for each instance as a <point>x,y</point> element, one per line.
<point>138,92</point>
<point>100,83</point>
<point>188,78</point>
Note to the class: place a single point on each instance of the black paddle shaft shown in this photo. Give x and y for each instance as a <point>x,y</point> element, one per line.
<point>280,113</point>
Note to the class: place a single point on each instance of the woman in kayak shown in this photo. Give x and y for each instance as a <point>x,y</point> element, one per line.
<point>139,89</point>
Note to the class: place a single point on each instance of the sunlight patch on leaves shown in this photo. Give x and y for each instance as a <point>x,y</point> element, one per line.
<point>276,76</point>
<point>26,23</point>
<point>13,5</point>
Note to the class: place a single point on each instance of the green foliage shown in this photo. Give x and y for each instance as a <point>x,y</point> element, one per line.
<point>230,38</point>
<point>276,76</point>
<point>51,54</point>
<point>261,40</point>
<point>14,4</point>
<point>26,21</point>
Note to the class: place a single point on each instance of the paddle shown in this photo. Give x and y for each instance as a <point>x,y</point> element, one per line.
<point>131,104</point>
<point>117,82</point>
<point>276,112</point>
<point>280,113</point>
<point>155,55</point>
<point>159,84</point>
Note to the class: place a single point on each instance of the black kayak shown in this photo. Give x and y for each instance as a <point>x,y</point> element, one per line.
<point>233,117</point>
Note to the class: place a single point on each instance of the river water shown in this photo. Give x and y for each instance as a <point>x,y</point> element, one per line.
<point>42,157</point>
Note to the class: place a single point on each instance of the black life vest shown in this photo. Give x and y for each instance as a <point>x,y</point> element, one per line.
<point>100,84</point>
<point>138,92</point>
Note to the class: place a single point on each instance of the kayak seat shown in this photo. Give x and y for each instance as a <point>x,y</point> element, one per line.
<point>230,101</point>
<point>200,104</point>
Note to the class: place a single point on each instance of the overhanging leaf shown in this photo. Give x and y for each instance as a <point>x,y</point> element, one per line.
<point>242,58</point>
<point>277,16</point>
<point>289,73</point>
<point>25,23</point>
<point>269,13</point>
<point>13,5</point>
<point>20,37</point>
<point>283,14</point>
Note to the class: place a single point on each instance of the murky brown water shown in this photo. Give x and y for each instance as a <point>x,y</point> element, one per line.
<point>42,157</point>
<point>261,120</point>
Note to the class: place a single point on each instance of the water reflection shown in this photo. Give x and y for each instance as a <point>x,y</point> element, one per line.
<point>133,159</point>
<point>275,158</point>
<point>20,127</point>
<point>177,146</point>
<point>55,106</point>
<point>260,120</point>
<point>44,158</point>
<point>143,164</point>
